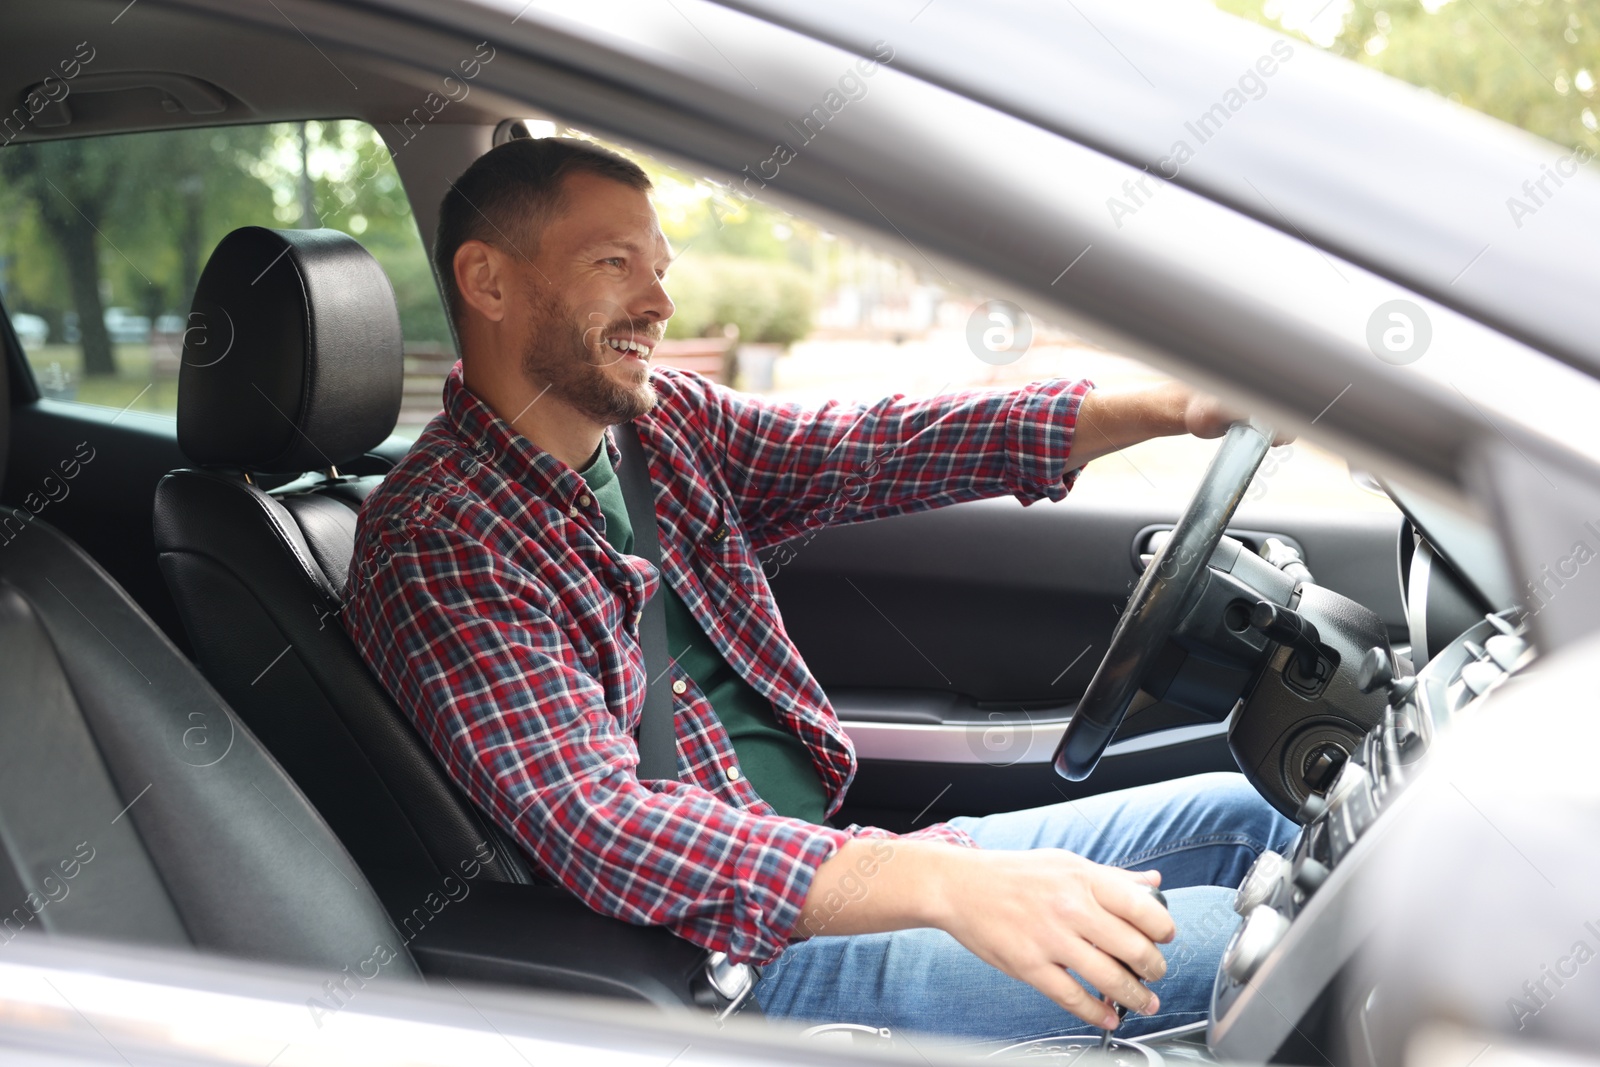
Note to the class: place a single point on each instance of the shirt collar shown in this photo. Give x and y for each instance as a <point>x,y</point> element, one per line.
<point>493,441</point>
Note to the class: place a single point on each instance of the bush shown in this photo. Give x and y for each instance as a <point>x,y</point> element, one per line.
<point>770,302</point>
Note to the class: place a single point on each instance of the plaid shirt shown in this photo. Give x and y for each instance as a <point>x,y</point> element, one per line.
<point>484,596</point>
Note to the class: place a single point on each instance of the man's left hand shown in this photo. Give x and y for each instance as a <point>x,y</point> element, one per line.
<point>1108,422</point>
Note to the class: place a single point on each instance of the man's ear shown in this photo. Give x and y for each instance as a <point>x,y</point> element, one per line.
<point>482,278</point>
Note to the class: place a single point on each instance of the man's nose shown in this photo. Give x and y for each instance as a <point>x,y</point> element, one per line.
<point>655,305</point>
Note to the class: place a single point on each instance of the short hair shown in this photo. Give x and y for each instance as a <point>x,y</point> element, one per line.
<point>511,192</point>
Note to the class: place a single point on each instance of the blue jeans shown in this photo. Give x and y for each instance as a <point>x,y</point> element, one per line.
<point>1202,833</point>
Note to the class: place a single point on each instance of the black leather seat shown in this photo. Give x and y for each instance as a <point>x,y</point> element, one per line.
<point>294,370</point>
<point>293,364</point>
<point>133,805</point>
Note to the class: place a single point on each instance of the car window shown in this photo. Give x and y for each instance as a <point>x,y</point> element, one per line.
<point>102,240</point>
<point>773,303</point>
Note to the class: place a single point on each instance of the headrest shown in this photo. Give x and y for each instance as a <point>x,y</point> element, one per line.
<point>292,358</point>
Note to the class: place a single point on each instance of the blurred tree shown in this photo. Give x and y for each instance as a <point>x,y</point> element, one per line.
<point>126,219</point>
<point>150,207</point>
<point>183,191</point>
<point>1531,63</point>
<point>33,282</point>
<point>355,188</point>
<point>71,185</point>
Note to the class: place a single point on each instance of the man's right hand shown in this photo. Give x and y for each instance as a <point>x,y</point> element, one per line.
<point>1034,913</point>
<point>1030,913</point>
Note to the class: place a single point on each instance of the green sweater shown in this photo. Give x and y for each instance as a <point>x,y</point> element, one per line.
<point>773,759</point>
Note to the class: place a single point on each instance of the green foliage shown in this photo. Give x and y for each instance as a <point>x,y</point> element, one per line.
<point>152,206</point>
<point>698,214</point>
<point>1531,63</point>
<point>355,188</point>
<point>770,302</point>
<point>160,201</point>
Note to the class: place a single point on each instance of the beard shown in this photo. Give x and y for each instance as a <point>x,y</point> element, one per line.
<point>559,359</point>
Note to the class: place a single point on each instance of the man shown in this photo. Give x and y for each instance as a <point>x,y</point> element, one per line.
<point>494,594</point>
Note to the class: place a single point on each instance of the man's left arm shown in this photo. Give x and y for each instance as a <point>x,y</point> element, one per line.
<point>794,469</point>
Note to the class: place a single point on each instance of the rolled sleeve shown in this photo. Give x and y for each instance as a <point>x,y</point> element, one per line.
<point>1040,427</point>
<point>937,832</point>
<point>772,879</point>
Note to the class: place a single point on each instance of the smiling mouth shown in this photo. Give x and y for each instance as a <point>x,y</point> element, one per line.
<point>631,347</point>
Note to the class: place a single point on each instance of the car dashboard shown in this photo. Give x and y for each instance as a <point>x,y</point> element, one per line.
<point>1287,973</point>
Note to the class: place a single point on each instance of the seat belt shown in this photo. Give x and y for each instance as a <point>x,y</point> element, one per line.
<point>657,742</point>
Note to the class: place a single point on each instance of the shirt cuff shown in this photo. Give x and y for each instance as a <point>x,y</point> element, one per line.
<point>1040,427</point>
<point>772,879</point>
<point>943,831</point>
<point>769,898</point>
<point>939,831</point>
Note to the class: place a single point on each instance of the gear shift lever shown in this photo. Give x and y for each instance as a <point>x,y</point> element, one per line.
<point>1122,1010</point>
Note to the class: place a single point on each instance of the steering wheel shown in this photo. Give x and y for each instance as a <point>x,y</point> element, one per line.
<point>1160,599</point>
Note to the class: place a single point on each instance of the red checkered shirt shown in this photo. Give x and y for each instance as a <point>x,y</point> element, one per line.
<point>484,595</point>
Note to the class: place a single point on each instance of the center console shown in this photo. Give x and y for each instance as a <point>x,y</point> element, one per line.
<point>1298,926</point>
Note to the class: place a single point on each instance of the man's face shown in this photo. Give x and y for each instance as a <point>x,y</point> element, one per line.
<point>596,306</point>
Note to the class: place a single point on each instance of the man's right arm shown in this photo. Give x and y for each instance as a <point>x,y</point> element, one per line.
<point>494,685</point>
<point>1028,913</point>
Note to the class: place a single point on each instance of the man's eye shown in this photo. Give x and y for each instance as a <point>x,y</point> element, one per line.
<point>617,260</point>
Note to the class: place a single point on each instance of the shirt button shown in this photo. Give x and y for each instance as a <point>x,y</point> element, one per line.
<point>584,501</point>
<point>679,686</point>
<point>733,772</point>
<point>572,513</point>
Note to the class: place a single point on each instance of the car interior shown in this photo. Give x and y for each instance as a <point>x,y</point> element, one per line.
<point>178,685</point>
